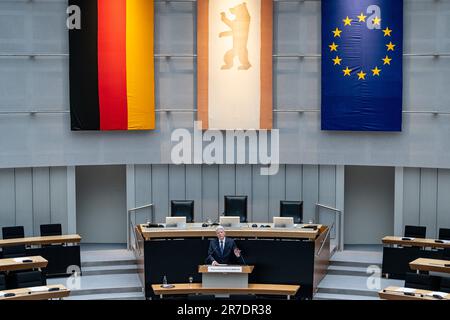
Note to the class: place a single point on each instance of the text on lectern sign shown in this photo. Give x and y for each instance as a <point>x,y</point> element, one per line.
<point>227,269</point>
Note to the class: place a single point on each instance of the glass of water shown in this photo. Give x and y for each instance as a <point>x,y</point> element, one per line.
<point>190,281</point>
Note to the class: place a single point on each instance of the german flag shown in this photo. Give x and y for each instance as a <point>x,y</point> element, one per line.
<point>112,67</point>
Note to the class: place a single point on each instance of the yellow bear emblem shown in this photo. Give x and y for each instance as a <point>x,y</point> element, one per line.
<point>239,30</point>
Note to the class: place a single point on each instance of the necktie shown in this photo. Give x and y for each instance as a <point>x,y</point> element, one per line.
<point>221,246</point>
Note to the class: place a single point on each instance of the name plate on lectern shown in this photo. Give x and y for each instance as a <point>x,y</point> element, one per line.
<point>227,269</point>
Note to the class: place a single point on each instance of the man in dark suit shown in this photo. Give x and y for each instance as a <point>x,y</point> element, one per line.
<point>223,250</point>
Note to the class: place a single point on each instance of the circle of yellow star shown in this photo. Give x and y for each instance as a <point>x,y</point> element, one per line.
<point>390,46</point>
<point>347,21</point>
<point>361,75</point>
<point>337,60</point>
<point>347,71</point>
<point>337,32</point>
<point>387,32</point>
<point>387,60</point>
<point>376,21</point>
<point>362,17</point>
<point>333,47</point>
<point>376,71</point>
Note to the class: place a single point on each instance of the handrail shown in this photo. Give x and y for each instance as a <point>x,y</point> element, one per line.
<point>132,226</point>
<point>325,240</point>
<point>337,212</point>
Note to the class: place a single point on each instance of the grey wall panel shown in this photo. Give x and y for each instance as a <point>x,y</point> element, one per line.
<point>227,183</point>
<point>428,200</point>
<point>443,203</point>
<point>177,182</point>
<point>41,198</point>
<point>7,198</point>
<point>194,189</point>
<point>24,200</point>
<point>210,192</point>
<point>310,191</point>
<point>143,195</point>
<point>260,195</point>
<point>160,191</point>
<point>58,196</point>
<point>244,186</point>
<point>294,178</point>
<point>411,197</point>
<point>327,195</point>
<point>277,192</point>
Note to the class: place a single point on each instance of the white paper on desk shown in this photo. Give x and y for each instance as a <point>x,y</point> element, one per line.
<point>407,290</point>
<point>39,289</point>
<point>21,259</point>
<point>1,294</point>
<point>438,293</point>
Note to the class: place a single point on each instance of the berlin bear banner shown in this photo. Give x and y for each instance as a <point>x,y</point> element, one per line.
<point>234,61</point>
<point>362,65</point>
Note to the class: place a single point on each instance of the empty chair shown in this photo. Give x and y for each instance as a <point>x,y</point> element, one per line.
<point>292,209</point>
<point>446,254</point>
<point>26,279</point>
<point>2,282</point>
<point>13,233</point>
<point>236,206</point>
<point>421,281</point>
<point>182,208</point>
<point>445,284</point>
<point>444,234</point>
<point>415,231</point>
<point>51,229</point>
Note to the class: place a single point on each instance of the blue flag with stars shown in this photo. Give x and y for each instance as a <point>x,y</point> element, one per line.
<point>362,43</point>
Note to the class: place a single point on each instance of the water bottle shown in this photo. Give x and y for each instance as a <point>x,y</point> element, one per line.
<point>165,281</point>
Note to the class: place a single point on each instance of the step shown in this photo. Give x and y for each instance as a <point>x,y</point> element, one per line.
<point>109,296</point>
<point>347,271</point>
<point>104,270</point>
<point>107,263</point>
<point>354,285</point>
<point>347,292</point>
<point>353,264</point>
<point>100,282</point>
<point>330,296</point>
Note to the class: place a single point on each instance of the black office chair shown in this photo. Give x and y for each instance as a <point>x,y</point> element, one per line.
<point>51,229</point>
<point>292,209</point>
<point>2,282</point>
<point>13,233</point>
<point>415,231</point>
<point>446,254</point>
<point>236,206</point>
<point>182,208</point>
<point>422,281</point>
<point>445,284</point>
<point>26,279</point>
<point>444,234</point>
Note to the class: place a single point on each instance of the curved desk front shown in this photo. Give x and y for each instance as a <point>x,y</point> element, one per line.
<point>288,256</point>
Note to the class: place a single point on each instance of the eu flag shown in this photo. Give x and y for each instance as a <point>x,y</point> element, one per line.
<point>362,44</point>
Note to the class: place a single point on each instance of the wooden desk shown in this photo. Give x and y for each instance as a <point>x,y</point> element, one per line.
<point>27,294</point>
<point>436,265</point>
<point>11,265</point>
<point>71,238</point>
<point>195,230</point>
<point>390,293</point>
<point>398,253</point>
<point>253,288</point>
<point>297,256</point>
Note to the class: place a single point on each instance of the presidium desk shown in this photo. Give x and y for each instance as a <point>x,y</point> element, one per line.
<point>292,256</point>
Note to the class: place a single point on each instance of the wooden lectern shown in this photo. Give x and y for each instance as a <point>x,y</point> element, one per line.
<point>225,276</point>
